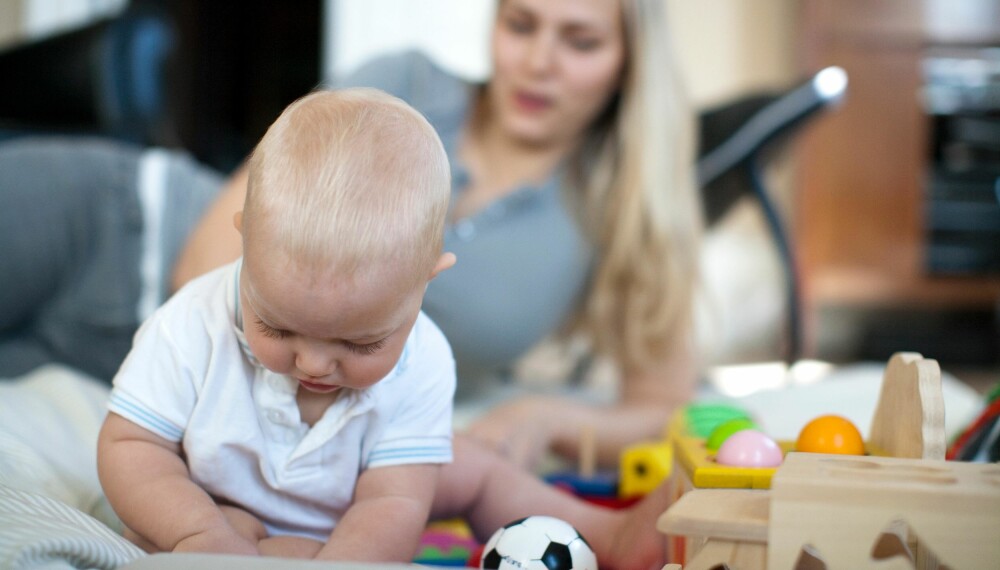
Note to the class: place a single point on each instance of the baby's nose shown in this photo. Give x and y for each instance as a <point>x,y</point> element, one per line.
<point>315,363</point>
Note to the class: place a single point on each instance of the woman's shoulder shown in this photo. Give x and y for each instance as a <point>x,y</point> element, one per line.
<point>414,77</point>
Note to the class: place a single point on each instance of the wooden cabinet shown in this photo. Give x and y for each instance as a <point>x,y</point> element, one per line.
<point>860,206</point>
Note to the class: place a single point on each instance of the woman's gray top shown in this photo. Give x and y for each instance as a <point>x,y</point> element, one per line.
<point>523,262</point>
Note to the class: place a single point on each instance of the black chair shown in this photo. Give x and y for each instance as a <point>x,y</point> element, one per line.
<point>110,78</point>
<point>735,141</point>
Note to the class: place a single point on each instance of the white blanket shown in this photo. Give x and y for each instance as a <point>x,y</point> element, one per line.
<point>52,511</point>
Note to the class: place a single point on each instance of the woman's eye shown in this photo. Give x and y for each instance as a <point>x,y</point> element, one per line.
<point>584,44</point>
<point>518,25</point>
<point>269,331</point>
<point>370,348</point>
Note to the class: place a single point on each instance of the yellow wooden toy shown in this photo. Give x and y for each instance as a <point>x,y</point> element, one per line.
<point>643,468</point>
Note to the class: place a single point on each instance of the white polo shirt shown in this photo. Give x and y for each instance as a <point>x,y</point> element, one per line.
<point>190,378</point>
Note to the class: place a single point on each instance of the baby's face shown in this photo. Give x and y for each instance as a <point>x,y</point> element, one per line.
<point>325,332</point>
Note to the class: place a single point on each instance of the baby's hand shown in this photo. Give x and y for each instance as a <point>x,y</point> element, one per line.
<point>219,540</point>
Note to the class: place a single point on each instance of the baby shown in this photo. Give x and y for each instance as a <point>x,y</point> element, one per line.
<point>298,398</point>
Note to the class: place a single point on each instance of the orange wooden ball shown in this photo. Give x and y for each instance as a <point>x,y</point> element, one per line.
<point>830,434</point>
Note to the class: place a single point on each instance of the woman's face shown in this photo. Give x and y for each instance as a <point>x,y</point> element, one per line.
<point>556,65</point>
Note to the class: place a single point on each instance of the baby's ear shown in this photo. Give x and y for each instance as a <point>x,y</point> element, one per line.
<point>446,260</point>
<point>238,221</point>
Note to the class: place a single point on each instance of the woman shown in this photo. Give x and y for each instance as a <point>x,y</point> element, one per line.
<point>573,211</point>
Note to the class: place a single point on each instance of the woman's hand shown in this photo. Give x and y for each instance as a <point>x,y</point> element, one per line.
<point>522,430</point>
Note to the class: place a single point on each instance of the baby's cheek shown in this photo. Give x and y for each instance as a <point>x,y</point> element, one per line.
<point>270,355</point>
<point>370,373</point>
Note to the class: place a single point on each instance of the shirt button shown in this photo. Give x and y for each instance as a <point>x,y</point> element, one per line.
<point>275,416</point>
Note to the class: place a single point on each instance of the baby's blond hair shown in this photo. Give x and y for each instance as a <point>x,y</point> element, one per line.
<point>350,179</point>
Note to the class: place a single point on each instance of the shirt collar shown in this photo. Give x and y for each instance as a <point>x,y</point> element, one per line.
<point>236,310</point>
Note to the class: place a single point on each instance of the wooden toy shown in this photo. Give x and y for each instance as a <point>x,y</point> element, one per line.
<point>596,486</point>
<point>840,512</point>
<point>909,416</point>
<point>718,526</point>
<point>911,510</point>
<point>908,422</point>
<point>948,512</point>
<point>643,468</point>
<point>696,467</point>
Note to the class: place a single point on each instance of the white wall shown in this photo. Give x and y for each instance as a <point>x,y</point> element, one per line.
<point>454,32</point>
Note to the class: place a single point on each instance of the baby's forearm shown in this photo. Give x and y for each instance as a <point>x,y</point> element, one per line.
<point>173,513</point>
<point>363,535</point>
<point>148,486</point>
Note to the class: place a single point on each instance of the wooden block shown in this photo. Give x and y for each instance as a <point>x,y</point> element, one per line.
<point>704,516</point>
<point>909,416</point>
<point>728,554</point>
<point>843,505</point>
<point>731,514</point>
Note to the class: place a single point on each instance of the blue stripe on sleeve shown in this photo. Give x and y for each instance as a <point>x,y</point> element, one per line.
<point>145,417</point>
<point>435,454</point>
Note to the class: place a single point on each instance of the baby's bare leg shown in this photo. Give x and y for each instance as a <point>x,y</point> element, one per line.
<point>489,492</point>
<point>289,547</point>
<point>139,541</point>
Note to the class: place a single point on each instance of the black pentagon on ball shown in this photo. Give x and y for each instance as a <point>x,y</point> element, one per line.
<point>557,557</point>
<point>515,523</point>
<point>492,560</point>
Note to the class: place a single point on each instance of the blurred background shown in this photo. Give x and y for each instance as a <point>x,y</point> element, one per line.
<point>890,198</point>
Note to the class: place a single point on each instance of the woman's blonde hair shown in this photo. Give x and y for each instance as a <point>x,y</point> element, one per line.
<point>350,178</point>
<point>634,178</point>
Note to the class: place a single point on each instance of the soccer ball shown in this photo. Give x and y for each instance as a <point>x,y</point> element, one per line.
<point>538,543</point>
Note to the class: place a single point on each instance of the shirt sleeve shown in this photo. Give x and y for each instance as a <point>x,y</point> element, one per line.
<point>420,428</point>
<point>155,387</point>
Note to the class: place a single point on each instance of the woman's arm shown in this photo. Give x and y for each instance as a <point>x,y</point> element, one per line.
<point>389,513</point>
<point>526,428</point>
<point>148,485</point>
<point>214,241</point>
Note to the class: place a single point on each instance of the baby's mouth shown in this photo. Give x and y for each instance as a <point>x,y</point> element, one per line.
<point>314,387</point>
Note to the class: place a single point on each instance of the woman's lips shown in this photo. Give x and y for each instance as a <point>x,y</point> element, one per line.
<point>312,386</point>
<point>531,102</point>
